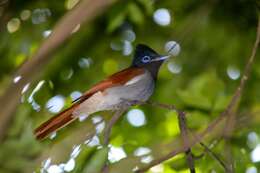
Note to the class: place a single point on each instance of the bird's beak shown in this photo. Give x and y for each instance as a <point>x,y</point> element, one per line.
<point>161,58</point>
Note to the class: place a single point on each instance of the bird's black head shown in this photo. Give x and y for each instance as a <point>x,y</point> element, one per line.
<point>147,58</point>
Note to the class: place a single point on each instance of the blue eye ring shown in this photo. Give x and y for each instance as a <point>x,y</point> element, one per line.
<point>146,59</point>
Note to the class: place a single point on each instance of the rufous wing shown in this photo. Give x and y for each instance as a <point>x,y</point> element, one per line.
<point>66,117</point>
<point>119,78</point>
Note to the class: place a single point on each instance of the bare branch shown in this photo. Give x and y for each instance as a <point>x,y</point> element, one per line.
<point>110,124</point>
<point>231,119</point>
<point>107,132</point>
<point>185,140</point>
<point>214,156</point>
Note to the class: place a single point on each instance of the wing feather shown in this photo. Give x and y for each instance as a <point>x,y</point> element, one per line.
<point>119,78</point>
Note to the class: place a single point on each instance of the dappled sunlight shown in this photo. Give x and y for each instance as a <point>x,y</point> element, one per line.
<point>140,151</point>
<point>55,104</point>
<point>252,139</point>
<point>13,25</point>
<point>31,100</point>
<point>53,53</point>
<point>136,117</point>
<point>174,67</point>
<point>75,95</point>
<point>94,141</point>
<point>25,14</point>
<point>251,169</point>
<point>85,62</point>
<point>40,15</point>
<point>46,33</point>
<point>255,154</point>
<point>16,79</point>
<point>233,72</point>
<point>147,159</point>
<point>162,17</point>
<point>116,153</point>
<point>157,169</point>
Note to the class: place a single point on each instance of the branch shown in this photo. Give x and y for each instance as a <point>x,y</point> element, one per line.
<point>243,80</point>
<point>30,71</point>
<point>185,139</point>
<point>110,125</point>
<point>214,156</point>
<point>215,122</point>
<point>107,132</point>
<point>231,119</point>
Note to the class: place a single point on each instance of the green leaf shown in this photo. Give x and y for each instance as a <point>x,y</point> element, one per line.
<point>97,161</point>
<point>203,91</point>
<point>135,14</point>
<point>116,18</point>
<point>148,5</point>
<point>83,158</point>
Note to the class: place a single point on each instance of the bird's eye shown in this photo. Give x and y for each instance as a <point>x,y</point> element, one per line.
<point>146,59</point>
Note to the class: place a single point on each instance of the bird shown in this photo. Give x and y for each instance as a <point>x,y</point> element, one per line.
<point>135,83</point>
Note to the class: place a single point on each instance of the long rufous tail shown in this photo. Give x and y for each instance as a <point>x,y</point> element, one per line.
<point>55,123</point>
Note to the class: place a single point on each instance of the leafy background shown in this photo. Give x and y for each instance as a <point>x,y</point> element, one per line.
<point>216,38</point>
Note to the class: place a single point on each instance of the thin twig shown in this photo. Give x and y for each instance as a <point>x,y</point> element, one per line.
<point>107,132</point>
<point>215,122</point>
<point>110,124</point>
<point>162,105</point>
<point>211,153</point>
<point>214,156</point>
<point>231,116</point>
<point>185,140</point>
<point>183,130</point>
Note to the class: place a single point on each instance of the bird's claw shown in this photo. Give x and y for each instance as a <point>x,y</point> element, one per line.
<point>128,103</point>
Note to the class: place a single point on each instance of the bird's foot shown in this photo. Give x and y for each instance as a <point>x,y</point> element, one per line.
<point>128,103</point>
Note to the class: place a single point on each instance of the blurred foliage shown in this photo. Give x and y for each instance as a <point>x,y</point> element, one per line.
<point>214,35</point>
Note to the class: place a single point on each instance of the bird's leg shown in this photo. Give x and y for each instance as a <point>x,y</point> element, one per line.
<point>128,103</point>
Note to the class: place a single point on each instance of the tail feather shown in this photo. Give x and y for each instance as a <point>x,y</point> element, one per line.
<point>55,123</point>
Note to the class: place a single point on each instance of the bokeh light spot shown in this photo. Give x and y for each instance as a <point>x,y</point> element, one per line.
<point>172,48</point>
<point>147,159</point>
<point>129,35</point>
<point>252,139</point>
<point>142,151</point>
<point>55,104</point>
<point>85,62</point>
<point>76,29</point>
<point>46,33</point>
<point>70,165</point>
<point>127,48</point>
<point>174,67</point>
<point>136,117</point>
<point>25,88</point>
<point>54,169</point>
<point>16,79</point>
<point>233,72</point>
<point>115,154</point>
<point>94,141</point>
<point>255,154</point>
<point>40,15</point>
<point>251,169</point>
<point>75,152</point>
<point>158,169</point>
<point>162,17</point>
<point>75,95</point>
<point>25,14</point>
<point>13,25</point>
